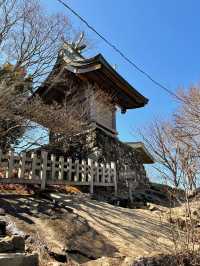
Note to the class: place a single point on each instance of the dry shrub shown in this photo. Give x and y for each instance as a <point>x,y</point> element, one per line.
<point>72,190</point>
<point>15,189</point>
<point>179,259</point>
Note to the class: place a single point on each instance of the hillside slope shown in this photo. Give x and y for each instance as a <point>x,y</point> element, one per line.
<point>75,228</point>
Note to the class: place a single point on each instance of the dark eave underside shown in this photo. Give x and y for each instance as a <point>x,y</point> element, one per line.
<point>97,69</point>
<point>146,156</point>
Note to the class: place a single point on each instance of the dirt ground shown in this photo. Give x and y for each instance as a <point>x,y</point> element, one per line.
<point>133,232</point>
<point>85,229</point>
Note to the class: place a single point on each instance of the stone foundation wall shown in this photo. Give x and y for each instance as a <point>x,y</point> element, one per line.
<point>130,169</point>
<point>104,148</point>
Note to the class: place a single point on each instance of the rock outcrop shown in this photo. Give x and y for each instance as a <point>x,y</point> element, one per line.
<point>12,250</point>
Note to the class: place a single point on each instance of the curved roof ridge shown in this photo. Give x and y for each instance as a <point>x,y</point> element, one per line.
<point>76,66</point>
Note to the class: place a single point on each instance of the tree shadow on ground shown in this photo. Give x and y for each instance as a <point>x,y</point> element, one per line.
<point>54,214</point>
<point>141,227</point>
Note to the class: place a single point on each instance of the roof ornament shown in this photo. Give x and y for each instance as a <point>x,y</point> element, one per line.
<point>71,51</point>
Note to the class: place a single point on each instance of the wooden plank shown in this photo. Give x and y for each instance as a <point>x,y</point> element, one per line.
<point>108,173</point>
<point>19,181</point>
<point>21,170</point>
<point>61,168</point>
<point>113,167</point>
<point>91,175</point>
<point>103,173</point>
<point>65,182</point>
<point>10,169</point>
<point>53,167</point>
<point>34,165</point>
<point>97,172</point>
<point>83,171</point>
<point>69,169</point>
<point>48,182</point>
<point>44,170</point>
<point>76,168</point>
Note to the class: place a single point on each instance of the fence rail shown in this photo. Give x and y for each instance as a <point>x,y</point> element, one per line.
<point>49,169</point>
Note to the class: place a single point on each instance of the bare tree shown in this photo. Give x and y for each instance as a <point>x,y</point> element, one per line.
<point>30,40</point>
<point>13,89</point>
<point>187,128</point>
<point>175,160</point>
<point>9,16</point>
<point>176,145</point>
<point>159,139</point>
<point>187,118</point>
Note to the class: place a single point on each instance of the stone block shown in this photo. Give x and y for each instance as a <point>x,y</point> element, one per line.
<point>19,259</point>
<point>12,244</point>
<point>18,243</point>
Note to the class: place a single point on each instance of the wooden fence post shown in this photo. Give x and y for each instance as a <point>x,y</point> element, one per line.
<point>83,172</point>
<point>69,169</point>
<point>108,170</point>
<point>91,175</point>
<point>61,168</point>
<point>33,167</point>
<point>103,173</point>
<point>22,165</point>
<point>9,172</point>
<point>97,172</point>
<point>44,170</point>
<point>113,166</point>
<point>53,167</point>
<point>76,167</point>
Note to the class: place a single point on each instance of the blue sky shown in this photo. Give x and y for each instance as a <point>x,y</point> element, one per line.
<point>162,37</point>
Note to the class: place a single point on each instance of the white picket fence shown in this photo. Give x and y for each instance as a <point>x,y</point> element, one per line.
<point>49,169</point>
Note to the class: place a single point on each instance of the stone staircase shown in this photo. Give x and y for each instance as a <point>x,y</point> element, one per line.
<point>12,250</point>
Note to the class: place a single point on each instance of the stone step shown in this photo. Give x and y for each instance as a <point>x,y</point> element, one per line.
<point>12,244</point>
<point>18,259</point>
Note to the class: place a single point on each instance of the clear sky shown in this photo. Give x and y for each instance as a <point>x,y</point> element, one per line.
<point>162,37</point>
